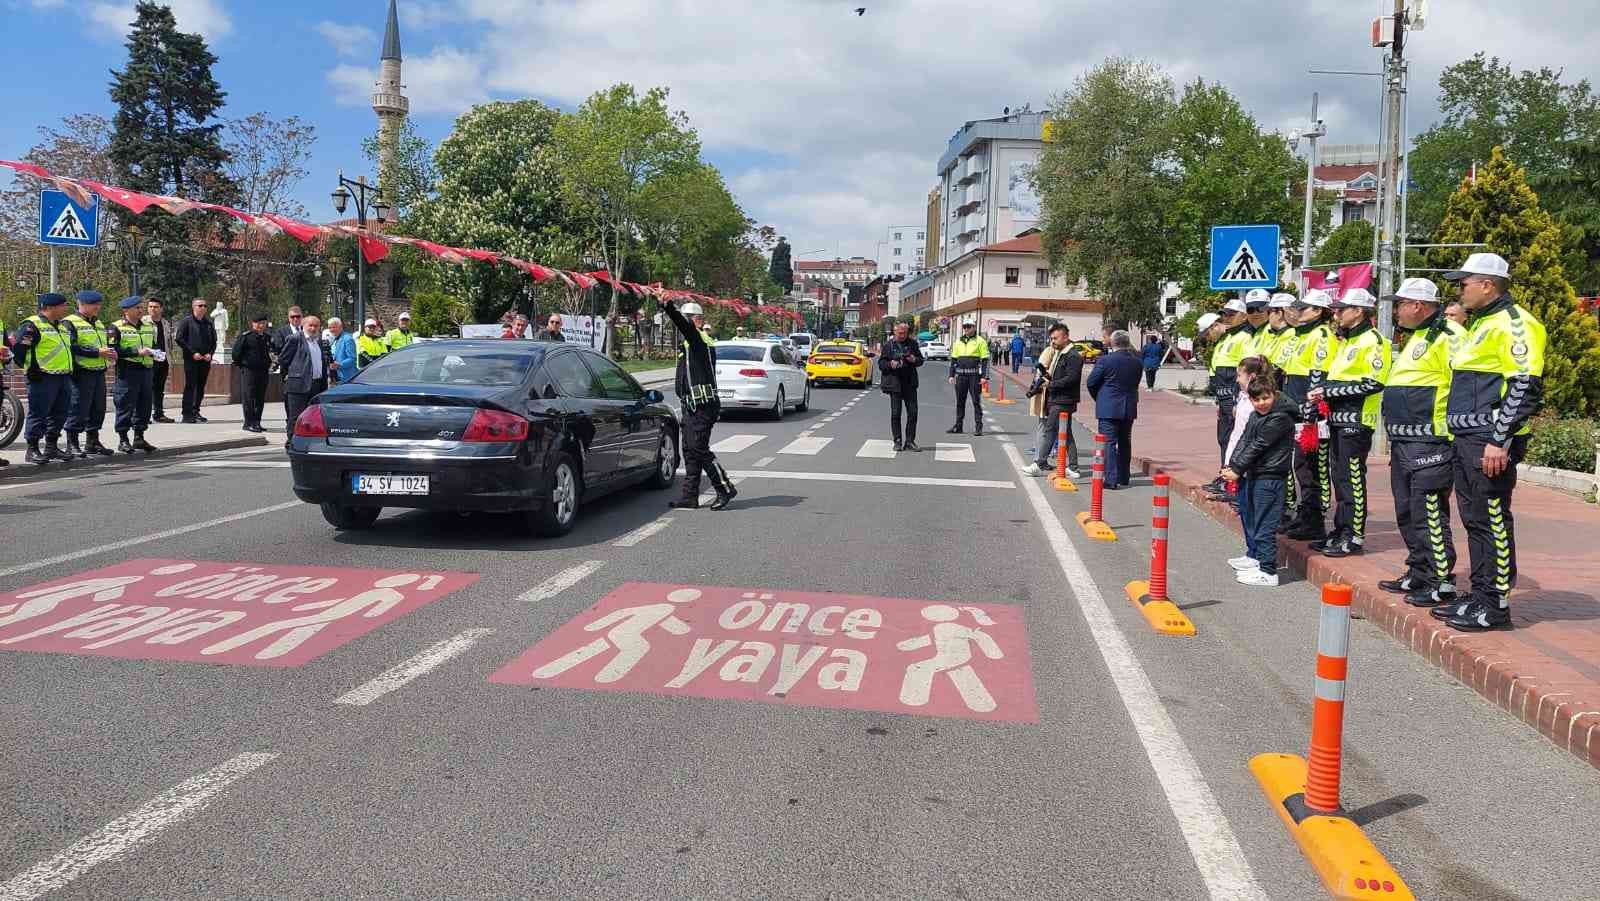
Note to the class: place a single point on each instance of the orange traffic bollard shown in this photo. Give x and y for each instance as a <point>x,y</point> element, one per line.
<point>1093,521</point>
<point>1151,597</point>
<point>1063,424</point>
<point>1001,398</point>
<point>1327,711</point>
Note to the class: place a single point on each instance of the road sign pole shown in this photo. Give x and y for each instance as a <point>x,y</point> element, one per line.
<point>52,270</point>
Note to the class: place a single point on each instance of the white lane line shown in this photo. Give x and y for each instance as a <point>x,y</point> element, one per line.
<point>423,663</point>
<point>710,495</point>
<point>733,444</point>
<point>643,532</point>
<point>873,480</point>
<point>239,464</point>
<point>953,453</point>
<point>121,835</point>
<point>877,449</point>
<point>561,581</point>
<point>142,539</point>
<point>764,462</point>
<point>1211,841</point>
<point>806,446</point>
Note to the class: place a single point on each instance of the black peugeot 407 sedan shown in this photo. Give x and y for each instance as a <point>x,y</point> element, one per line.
<point>482,426</point>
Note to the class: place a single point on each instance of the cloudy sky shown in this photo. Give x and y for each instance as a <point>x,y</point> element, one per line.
<point>826,124</point>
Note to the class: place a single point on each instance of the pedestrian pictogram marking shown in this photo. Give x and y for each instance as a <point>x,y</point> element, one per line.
<point>1244,257</point>
<point>68,227</point>
<point>785,647</point>
<point>66,223</point>
<point>1243,266</point>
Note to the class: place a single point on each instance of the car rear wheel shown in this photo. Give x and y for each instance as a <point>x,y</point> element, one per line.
<point>559,511</point>
<point>776,412</point>
<point>346,518</point>
<point>805,402</point>
<point>666,461</point>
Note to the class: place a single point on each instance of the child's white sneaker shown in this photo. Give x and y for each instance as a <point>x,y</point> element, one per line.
<point>1244,563</point>
<point>1257,578</point>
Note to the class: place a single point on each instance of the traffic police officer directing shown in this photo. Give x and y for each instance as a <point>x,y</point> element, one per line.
<point>1496,388</point>
<point>401,336</point>
<point>1354,391</point>
<point>696,383</point>
<point>369,346</point>
<point>91,349</point>
<point>969,366</point>
<point>1421,460</point>
<point>134,392</point>
<point>44,347</point>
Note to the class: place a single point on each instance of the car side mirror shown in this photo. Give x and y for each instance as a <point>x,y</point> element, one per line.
<point>653,397</point>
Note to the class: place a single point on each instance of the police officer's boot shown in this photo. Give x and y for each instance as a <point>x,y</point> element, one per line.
<point>724,486</point>
<point>52,449</point>
<point>690,498</point>
<point>35,455</point>
<point>95,447</point>
<point>140,444</point>
<point>73,448</point>
<point>122,443</point>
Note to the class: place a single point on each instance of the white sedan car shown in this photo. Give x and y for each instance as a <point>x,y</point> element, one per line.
<point>935,350</point>
<point>761,375</point>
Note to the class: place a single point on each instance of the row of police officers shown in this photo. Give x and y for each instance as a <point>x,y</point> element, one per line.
<point>65,356</point>
<point>1455,403</point>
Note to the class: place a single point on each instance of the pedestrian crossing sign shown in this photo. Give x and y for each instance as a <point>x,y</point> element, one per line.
<point>64,223</point>
<point>1244,257</point>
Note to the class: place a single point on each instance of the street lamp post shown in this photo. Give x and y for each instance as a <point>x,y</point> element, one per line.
<point>380,209</point>
<point>1317,130</point>
<point>138,245</point>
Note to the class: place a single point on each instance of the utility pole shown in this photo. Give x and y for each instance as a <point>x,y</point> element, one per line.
<point>1317,130</point>
<point>1392,33</point>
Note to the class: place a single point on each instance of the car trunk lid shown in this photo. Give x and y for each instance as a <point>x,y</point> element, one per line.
<point>367,415</point>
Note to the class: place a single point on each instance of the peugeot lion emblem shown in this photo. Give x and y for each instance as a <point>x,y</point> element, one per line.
<point>394,420</point>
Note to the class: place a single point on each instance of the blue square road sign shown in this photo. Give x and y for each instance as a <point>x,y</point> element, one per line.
<point>63,223</point>
<point>1244,257</point>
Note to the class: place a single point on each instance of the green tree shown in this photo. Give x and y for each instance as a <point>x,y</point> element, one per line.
<point>688,223</point>
<point>165,138</point>
<point>1106,183</point>
<point>1349,243</point>
<point>414,173</point>
<point>1502,211</point>
<point>610,150</point>
<point>782,269</point>
<point>433,312</point>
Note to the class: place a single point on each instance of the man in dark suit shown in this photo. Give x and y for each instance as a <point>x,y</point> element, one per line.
<point>308,369</point>
<point>196,337</point>
<point>252,355</point>
<point>1114,385</point>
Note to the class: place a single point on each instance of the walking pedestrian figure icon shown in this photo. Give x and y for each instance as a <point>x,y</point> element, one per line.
<point>1244,257</point>
<point>952,643</point>
<point>625,635</point>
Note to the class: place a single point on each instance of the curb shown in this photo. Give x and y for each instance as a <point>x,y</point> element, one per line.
<point>1544,704</point>
<point>23,470</point>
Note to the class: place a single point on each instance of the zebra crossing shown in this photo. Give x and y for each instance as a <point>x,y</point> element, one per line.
<point>816,445</point>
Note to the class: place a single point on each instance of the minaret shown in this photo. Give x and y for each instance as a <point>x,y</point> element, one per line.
<point>389,101</point>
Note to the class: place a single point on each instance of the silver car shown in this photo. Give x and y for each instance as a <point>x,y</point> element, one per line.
<point>761,375</point>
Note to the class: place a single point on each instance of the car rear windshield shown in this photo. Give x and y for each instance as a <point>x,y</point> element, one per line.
<point>800,339</point>
<point>835,349</point>
<point>740,354</point>
<point>444,364</point>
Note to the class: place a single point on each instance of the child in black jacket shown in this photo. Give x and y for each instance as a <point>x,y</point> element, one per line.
<point>1262,463</point>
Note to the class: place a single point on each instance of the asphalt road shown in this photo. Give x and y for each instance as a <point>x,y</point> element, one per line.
<point>1107,761</point>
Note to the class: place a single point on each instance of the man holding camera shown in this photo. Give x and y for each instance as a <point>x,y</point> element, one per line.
<point>902,355</point>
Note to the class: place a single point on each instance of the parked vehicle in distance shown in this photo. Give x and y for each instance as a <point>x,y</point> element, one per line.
<point>935,350</point>
<point>803,342</point>
<point>527,428</point>
<point>840,361</point>
<point>760,375</point>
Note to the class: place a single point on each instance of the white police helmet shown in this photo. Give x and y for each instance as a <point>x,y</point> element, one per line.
<point>691,309</point>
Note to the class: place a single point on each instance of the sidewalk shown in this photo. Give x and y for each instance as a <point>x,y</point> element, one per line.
<point>221,433</point>
<point>1546,671</point>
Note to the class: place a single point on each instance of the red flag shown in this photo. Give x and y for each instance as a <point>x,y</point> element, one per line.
<point>72,189</point>
<point>373,249</point>
<point>448,254</point>
<point>28,168</point>
<point>1357,276</point>
<point>483,256</point>
<point>300,231</point>
<point>132,201</point>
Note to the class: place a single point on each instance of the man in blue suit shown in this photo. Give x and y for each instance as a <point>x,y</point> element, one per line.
<point>1114,385</point>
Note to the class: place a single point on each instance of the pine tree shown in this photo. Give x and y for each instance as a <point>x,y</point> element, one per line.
<point>1501,211</point>
<point>782,270</point>
<point>166,135</point>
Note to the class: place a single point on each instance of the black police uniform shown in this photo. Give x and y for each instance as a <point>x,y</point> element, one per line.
<point>696,384</point>
<point>252,353</point>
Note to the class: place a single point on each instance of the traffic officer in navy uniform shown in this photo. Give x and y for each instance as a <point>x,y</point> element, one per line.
<point>696,384</point>
<point>1496,385</point>
<point>1421,457</point>
<point>136,341</point>
<point>91,351</point>
<point>969,367</point>
<point>1354,392</point>
<point>44,353</point>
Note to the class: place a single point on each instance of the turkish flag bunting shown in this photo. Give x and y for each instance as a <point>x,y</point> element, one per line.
<point>299,231</point>
<point>28,169</point>
<point>372,248</point>
<point>482,256</point>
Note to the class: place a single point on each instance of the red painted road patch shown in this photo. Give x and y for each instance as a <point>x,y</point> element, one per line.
<point>792,647</point>
<point>249,614</point>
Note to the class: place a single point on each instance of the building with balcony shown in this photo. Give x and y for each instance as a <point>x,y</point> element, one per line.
<point>985,189</point>
<point>998,285</point>
<point>906,247</point>
<point>840,273</point>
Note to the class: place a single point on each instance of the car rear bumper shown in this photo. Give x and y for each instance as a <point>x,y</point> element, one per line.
<point>467,484</point>
<point>838,375</point>
<point>751,395</point>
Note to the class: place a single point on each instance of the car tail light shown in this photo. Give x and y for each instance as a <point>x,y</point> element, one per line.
<point>856,361</point>
<point>310,424</point>
<point>496,425</point>
<point>753,373</point>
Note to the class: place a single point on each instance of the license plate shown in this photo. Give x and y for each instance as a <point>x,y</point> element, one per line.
<point>724,392</point>
<point>389,484</point>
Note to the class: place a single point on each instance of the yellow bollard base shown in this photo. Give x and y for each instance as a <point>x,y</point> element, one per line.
<point>1348,863</point>
<point>1004,403</point>
<point>1098,531</point>
<point>1065,484</point>
<point>1163,616</point>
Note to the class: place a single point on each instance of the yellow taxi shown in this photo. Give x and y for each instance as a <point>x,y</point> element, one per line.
<point>840,361</point>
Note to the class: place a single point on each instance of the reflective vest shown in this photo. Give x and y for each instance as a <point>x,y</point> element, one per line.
<point>1503,342</point>
<point>51,354</point>
<point>1225,360</point>
<point>397,339</point>
<point>128,337</point>
<point>91,336</point>
<point>1418,391</point>
<point>1363,356</point>
<point>369,349</point>
<point>975,346</point>
<point>1282,346</point>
